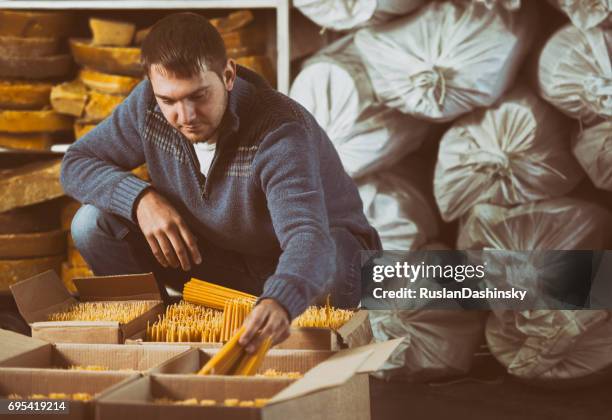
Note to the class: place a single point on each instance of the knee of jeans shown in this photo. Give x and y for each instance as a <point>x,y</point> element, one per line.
<point>85,227</point>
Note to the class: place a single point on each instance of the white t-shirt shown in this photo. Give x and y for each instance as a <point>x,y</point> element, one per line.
<point>205,153</point>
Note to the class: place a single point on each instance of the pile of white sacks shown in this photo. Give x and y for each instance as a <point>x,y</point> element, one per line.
<point>513,151</point>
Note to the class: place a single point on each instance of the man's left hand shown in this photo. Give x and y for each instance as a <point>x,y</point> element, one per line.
<point>269,317</point>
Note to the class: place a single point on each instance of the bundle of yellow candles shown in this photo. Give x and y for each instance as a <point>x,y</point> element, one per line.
<point>323,317</point>
<point>212,295</point>
<point>119,311</point>
<point>233,359</point>
<point>228,402</point>
<point>79,396</point>
<point>186,322</point>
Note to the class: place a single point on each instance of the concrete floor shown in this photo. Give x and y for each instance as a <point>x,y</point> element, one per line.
<point>489,395</point>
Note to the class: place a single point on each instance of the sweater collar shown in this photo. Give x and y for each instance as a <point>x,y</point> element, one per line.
<point>239,101</point>
<point>241,98</point>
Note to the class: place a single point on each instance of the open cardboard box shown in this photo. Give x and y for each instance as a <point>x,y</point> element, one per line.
<point>337,387</point>
<point>356,332</point>
<point>44,294</point>
<point>41,381</point>
<point>19,351</point>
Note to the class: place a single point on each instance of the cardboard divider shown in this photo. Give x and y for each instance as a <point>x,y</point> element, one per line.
<point>216,388</point>
<point>117,356</point>
<point>281,360</point>
<point>136,400</point>
<point>113,357</point>
<point>37,381</point>
<point>14,344</point>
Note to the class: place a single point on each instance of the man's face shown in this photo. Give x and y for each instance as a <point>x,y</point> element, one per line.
<point>194,105</point>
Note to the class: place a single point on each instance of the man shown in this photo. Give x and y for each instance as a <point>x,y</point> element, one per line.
<point>247,190</point>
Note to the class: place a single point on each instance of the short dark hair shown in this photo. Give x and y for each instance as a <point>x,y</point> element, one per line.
<point>183,43</point>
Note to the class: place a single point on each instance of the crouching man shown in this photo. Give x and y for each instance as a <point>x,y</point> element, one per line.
<point>246,189</point>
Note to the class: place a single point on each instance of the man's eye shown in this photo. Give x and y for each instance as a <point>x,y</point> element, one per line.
<point>167,102</point>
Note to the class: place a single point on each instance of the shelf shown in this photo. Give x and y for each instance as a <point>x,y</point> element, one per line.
<point>282,8</point>
<point>138,4</point>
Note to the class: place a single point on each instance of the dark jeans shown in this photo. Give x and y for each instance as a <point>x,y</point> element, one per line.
<point>113,245</point>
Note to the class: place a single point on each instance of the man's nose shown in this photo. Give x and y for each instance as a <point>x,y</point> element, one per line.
<point>185,112</point>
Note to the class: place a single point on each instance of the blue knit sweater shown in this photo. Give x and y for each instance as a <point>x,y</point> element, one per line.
<point>275,187</point>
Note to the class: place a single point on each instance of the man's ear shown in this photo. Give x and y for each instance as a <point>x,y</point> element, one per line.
<point>229,74</point>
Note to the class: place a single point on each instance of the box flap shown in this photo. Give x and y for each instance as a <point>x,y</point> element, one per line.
<point>333,372</point>
<point>381,352</point>
<point>124,287</point>
<point>339,368</point>
<point>41,295</point>
<point>357,331</point>
<point>14,344</point>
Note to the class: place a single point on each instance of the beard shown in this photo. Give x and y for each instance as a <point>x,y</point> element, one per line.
<point>208,131</point>
<point>205,134</point>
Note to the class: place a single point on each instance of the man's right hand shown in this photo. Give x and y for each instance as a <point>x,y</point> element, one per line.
<point>171,241</point>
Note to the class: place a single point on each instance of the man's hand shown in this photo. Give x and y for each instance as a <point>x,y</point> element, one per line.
<point>170,239</point>
<point>269,317</point>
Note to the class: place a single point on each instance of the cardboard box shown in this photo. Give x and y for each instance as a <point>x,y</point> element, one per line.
<point>21,352</point>
<point>40,381</point>
<point>356,332</point>
<point>44,294</point>
<point>337,388</point>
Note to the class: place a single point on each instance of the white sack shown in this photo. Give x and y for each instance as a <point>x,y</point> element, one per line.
<point>544,346</point>
<point>446,59</point>
<point>550,279</point>
<point>586,14</point>
<point>575,73</point>
<point>335,88</point>
<point>551,347</point>
<point>437,343</point>
<point>557,224</point>
<point>403,217</point>
<point>515,152</point>
<point>593,149</point>
<point>342,15</point>
<point>512,5</point>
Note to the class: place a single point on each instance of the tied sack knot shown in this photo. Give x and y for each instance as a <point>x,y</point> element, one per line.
<point>432,82</point>
<point>506,4</point>
<point>598,94</point>
<point>493,163</point>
